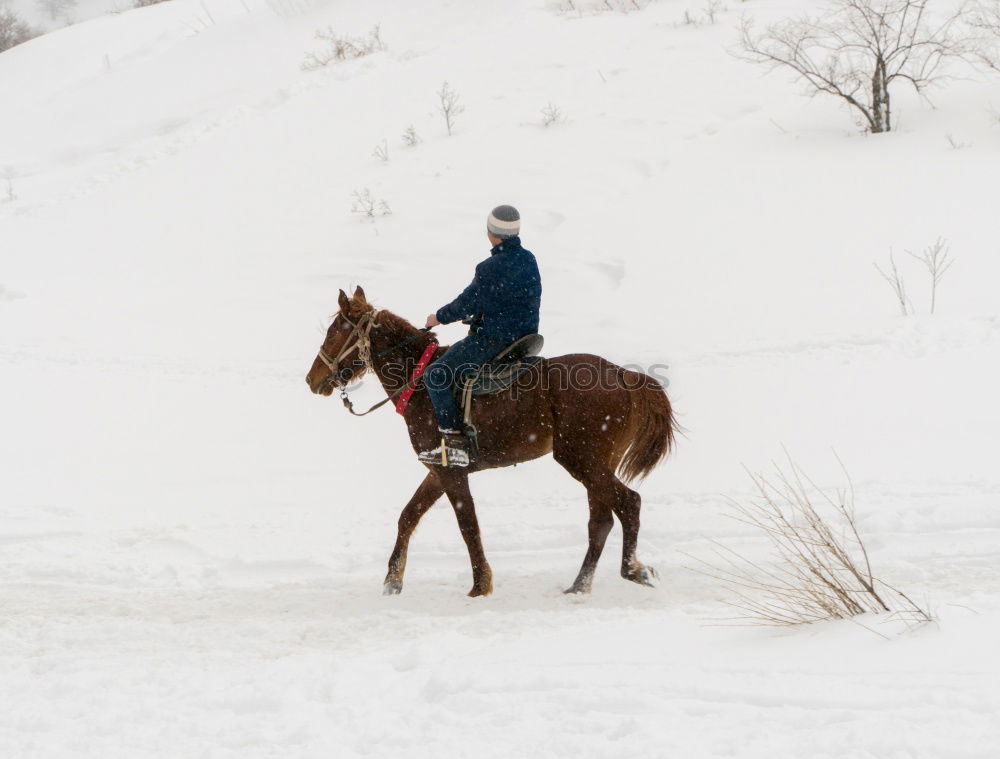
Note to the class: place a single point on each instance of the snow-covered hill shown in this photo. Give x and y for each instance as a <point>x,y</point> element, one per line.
<point>192,545</point>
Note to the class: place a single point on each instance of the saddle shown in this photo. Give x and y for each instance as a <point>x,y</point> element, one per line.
<point>500,372</point>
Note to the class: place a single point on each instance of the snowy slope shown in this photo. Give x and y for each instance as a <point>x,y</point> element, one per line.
<point>192,545</point>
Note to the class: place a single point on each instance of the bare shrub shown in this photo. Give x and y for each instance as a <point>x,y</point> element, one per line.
<point>551,114</point>
<point>410,137</point>
<point>342,48</point>
<point>599,6</point>
<point>13,31</point>
<point>711,10</point>
<point>937,261</point>
<point>859,49</point>
<point>366,205</point>
<point>381,151</point>
<point>449,105</point>
<point>147,3</point>
<point>820,568</point>
<point>9,196</point>
<point>895,280</point>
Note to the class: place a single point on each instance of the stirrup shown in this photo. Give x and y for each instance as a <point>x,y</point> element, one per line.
<point>453,451</point>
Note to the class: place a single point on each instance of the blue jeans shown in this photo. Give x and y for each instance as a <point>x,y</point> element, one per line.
<point>463,358</point>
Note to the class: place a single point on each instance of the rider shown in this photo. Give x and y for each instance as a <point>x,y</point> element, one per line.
<point>500,306</point>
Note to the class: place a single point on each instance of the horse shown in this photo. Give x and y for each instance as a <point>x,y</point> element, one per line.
<point>604,424</point>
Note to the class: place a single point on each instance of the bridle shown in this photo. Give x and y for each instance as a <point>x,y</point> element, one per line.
<point>360,338</point>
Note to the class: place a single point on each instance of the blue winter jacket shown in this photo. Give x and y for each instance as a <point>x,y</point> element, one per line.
<point>504,297</point>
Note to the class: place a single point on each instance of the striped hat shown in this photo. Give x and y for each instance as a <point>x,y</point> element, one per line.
<point>504,221</point>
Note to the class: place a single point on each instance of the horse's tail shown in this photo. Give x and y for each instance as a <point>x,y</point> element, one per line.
<point>652,418</point>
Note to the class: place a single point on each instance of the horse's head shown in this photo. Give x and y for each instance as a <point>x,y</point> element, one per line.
<point>345,353</point>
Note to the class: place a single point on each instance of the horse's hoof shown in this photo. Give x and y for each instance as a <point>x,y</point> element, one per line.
<point>642,576</point>
<point>647,577</point>
<point>392,589</point>
<point>577,590</point>
<point>477,592</point>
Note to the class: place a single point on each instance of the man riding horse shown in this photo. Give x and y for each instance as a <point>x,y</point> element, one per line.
<point>500,306</point>
<point>604,424</point>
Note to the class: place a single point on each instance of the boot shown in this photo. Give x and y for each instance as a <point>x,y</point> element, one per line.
<point>454,450</point>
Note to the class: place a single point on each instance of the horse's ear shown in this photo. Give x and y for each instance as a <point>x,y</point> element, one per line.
<point>342,301</point>
<point>359,294</point>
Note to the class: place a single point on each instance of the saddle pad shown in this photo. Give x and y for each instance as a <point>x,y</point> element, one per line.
<point>493,379</point>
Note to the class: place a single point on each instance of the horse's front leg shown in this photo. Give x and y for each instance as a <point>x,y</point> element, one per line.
<point>456,485</point>
<point>426,494</point>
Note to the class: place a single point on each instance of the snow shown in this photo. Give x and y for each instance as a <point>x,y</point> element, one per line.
<point>192,545</point>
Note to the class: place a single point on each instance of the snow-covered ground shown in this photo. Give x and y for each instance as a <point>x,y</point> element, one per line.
<point>192,545</point>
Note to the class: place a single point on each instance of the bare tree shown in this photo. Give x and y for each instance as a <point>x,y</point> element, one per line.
<point>13,31</point>
<point>449,105</point>
<point>895,280</point>
<point>984,18</point>
<point>820,570</point>
<point>381,151</point>
<point>859,49</point>
<point>935,257</point>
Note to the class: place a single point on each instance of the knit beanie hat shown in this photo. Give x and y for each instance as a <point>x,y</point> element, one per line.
<point>504,221</point>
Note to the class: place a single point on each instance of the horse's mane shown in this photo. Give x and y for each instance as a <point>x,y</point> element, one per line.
<point>397,325</point>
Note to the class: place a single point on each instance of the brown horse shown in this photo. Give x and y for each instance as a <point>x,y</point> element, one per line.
<point>597,419</point>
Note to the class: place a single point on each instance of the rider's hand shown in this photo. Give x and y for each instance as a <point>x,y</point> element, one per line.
<point>432,321</point>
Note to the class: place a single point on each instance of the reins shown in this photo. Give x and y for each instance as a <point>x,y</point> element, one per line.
<point>362,340</point>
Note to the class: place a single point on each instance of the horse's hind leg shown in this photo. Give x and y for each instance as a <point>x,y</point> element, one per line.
<point>578,461</point>
<point>456,486</point>
<point>626,506</point>
<point>598,528</point>
<point>426,494</point>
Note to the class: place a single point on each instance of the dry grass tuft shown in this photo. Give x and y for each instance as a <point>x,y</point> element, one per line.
<point>821,569</point>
